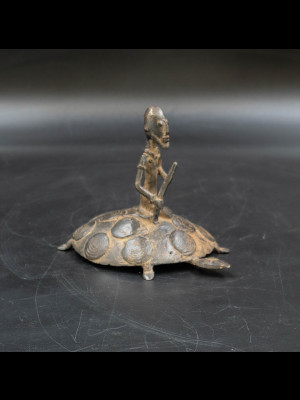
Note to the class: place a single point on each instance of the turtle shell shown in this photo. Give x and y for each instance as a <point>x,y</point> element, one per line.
<point>127,238</point>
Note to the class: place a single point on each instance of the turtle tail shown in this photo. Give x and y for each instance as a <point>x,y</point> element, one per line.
<point>66,246</point>
<point>221,250</point>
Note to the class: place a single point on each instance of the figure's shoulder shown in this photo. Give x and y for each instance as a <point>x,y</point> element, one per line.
<point>154,154</point>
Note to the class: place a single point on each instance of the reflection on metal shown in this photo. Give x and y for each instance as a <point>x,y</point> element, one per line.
<point>149,234</point>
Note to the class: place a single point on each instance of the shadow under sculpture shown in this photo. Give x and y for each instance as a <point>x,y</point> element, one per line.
<point>148,234</point>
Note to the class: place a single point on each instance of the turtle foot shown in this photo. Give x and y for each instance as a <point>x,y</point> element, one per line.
<point>148,273</point>
<point>65,246</point>
<point>210,263</point>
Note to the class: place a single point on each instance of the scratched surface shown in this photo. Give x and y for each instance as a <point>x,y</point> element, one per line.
<point>53,301</point>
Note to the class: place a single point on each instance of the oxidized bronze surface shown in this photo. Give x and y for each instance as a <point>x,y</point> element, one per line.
<point>149,234</point>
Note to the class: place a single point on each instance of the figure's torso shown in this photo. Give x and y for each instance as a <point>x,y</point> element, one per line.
<point>150,162</point>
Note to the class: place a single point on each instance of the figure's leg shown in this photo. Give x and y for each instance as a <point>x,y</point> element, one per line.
<point>148,273</point>
<point>221,250</point>
<point>210,263</point>
<point>66,246</point>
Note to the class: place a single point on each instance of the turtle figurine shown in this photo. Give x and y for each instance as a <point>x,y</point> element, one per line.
<point>149,234</point>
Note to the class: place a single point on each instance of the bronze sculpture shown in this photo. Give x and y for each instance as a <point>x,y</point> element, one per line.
<point>149,234</point>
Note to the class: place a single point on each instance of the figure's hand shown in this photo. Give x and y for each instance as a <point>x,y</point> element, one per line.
<point>157,201</point>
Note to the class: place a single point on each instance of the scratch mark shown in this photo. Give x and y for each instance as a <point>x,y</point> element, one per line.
<point>146,343</point>
<point>136,348</point>
<point>83,348</point>
<point>197,341</point>
<point>247,237</point>
<point>280,276</point>
<point>75,337</point>
<point>250,335</point>
<point>189,326</point>
<point>293,230</point>
<point>229,305</point>
<point>223,309</point>
<point>97,333</point>
<point>229,228</point>
<point>86,187</point>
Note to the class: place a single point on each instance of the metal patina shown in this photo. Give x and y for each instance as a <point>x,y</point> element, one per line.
<point>149,234</point>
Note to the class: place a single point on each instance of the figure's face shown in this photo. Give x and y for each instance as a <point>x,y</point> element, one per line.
<point>161,133</point>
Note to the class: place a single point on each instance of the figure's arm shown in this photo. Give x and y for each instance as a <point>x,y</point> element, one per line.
<point>154,199</point>
<point>161,171</point>
<point>140,188</point>
<point>138,180</point>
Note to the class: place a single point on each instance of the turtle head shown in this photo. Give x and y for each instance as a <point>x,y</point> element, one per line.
<point>157,127</point>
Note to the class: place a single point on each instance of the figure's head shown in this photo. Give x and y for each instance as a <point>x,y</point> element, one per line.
<point>157,127</point>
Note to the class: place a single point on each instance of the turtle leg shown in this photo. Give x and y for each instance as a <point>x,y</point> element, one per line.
<point>210,263</point>
<point>66,246</point>
<point>221,250</point>
<point>148,273</point>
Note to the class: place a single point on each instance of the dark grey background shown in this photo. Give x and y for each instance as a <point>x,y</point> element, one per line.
<point>71,134</point>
